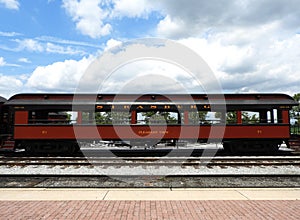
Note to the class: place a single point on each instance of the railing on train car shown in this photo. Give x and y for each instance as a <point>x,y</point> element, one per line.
<point>295,128</point>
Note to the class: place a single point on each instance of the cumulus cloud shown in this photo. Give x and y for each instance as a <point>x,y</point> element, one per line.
<point>11,4</point>
<point>170,27</point>
<point>112,43</point>
<point>198,17</point>
<point>132,8</point>
<point>149,76</point>
<point>88,16</point>
<point>259,65</point>
<point>15,85</point>
<point>94,18</point>
<point>59,76</point>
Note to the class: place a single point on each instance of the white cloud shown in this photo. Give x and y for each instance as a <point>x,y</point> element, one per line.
<point>33,45</point>
<point>11,4</point>
<point>88,16</point>
<point>24,60</point>
<point>59,76</point>
<point>2,62</point>
<point>265,64</point>
<point>148,76</point>
<point>132,8</point>
<point>95,18</point>
<point>170,26</point>
<point>56,40</point>
<point>54,48</point>
<point>30,45</point>
<point>112,43</point>
<point>15,85</point>
<point>8,34</point>
<point>197,17</point>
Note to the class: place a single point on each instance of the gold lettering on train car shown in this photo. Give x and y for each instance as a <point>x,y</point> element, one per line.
<point>147,132</point>
<point>259,131</point>
<point>141,132</point>
<point>284,107</point>
<point>44,132</point>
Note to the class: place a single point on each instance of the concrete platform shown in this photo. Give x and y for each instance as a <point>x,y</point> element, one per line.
<point>44,194</point>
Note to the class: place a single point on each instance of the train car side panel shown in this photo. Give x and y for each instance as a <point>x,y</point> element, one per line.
<point>150,132</point>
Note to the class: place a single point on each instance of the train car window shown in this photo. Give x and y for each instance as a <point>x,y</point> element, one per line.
<point>106,118</point>
<point>231,117</point>
<point>115,117</point>
<point>198,117</point>
<point>251,117</point>
<point>279,116</point>
<point>49,117</point>
<point>88,117</point>
<point>72,117</point>
<point>205,117</point>
<point>216,118</point>
<point>275,116</point>
<point>158,118</point>
<point>254,117</point>
<point>4,122</point>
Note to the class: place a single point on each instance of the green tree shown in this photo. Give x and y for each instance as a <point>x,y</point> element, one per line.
<point>295,113</point>
<point>106,118</point>
<point>157,117</point>
<point>197,116</point>
<point>115,117</point>
<point>249,119</point>
<point>231,118</point>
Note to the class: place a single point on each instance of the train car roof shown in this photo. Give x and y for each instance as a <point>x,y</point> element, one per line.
<point>238,100</point>
<point>2,99</point>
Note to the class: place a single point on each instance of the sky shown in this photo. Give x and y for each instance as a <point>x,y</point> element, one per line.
<point>250,45</point>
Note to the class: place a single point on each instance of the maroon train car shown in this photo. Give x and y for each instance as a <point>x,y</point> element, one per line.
<point>56,122</point>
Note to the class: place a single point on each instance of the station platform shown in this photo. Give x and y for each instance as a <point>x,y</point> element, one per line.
<point>176,203</point>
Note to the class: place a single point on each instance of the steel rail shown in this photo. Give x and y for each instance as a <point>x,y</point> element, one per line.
<point>153,161</point>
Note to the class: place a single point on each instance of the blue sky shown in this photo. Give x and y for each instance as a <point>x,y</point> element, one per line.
<point>252,46</point>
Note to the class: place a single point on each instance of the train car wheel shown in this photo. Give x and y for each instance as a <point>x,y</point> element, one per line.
<point>264,146</point>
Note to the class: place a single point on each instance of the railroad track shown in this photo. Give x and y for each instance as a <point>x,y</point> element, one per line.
<point>152,161</point>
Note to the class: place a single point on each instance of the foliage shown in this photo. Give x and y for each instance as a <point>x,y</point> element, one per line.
<point>295,112</point>
<point>156,117</point>
<point>249,119</point>
<point>231,117</point>
<point>197,117</point>
<point>107,118</point>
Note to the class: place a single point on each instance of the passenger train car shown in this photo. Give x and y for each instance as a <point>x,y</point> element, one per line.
<point>55,123</point>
